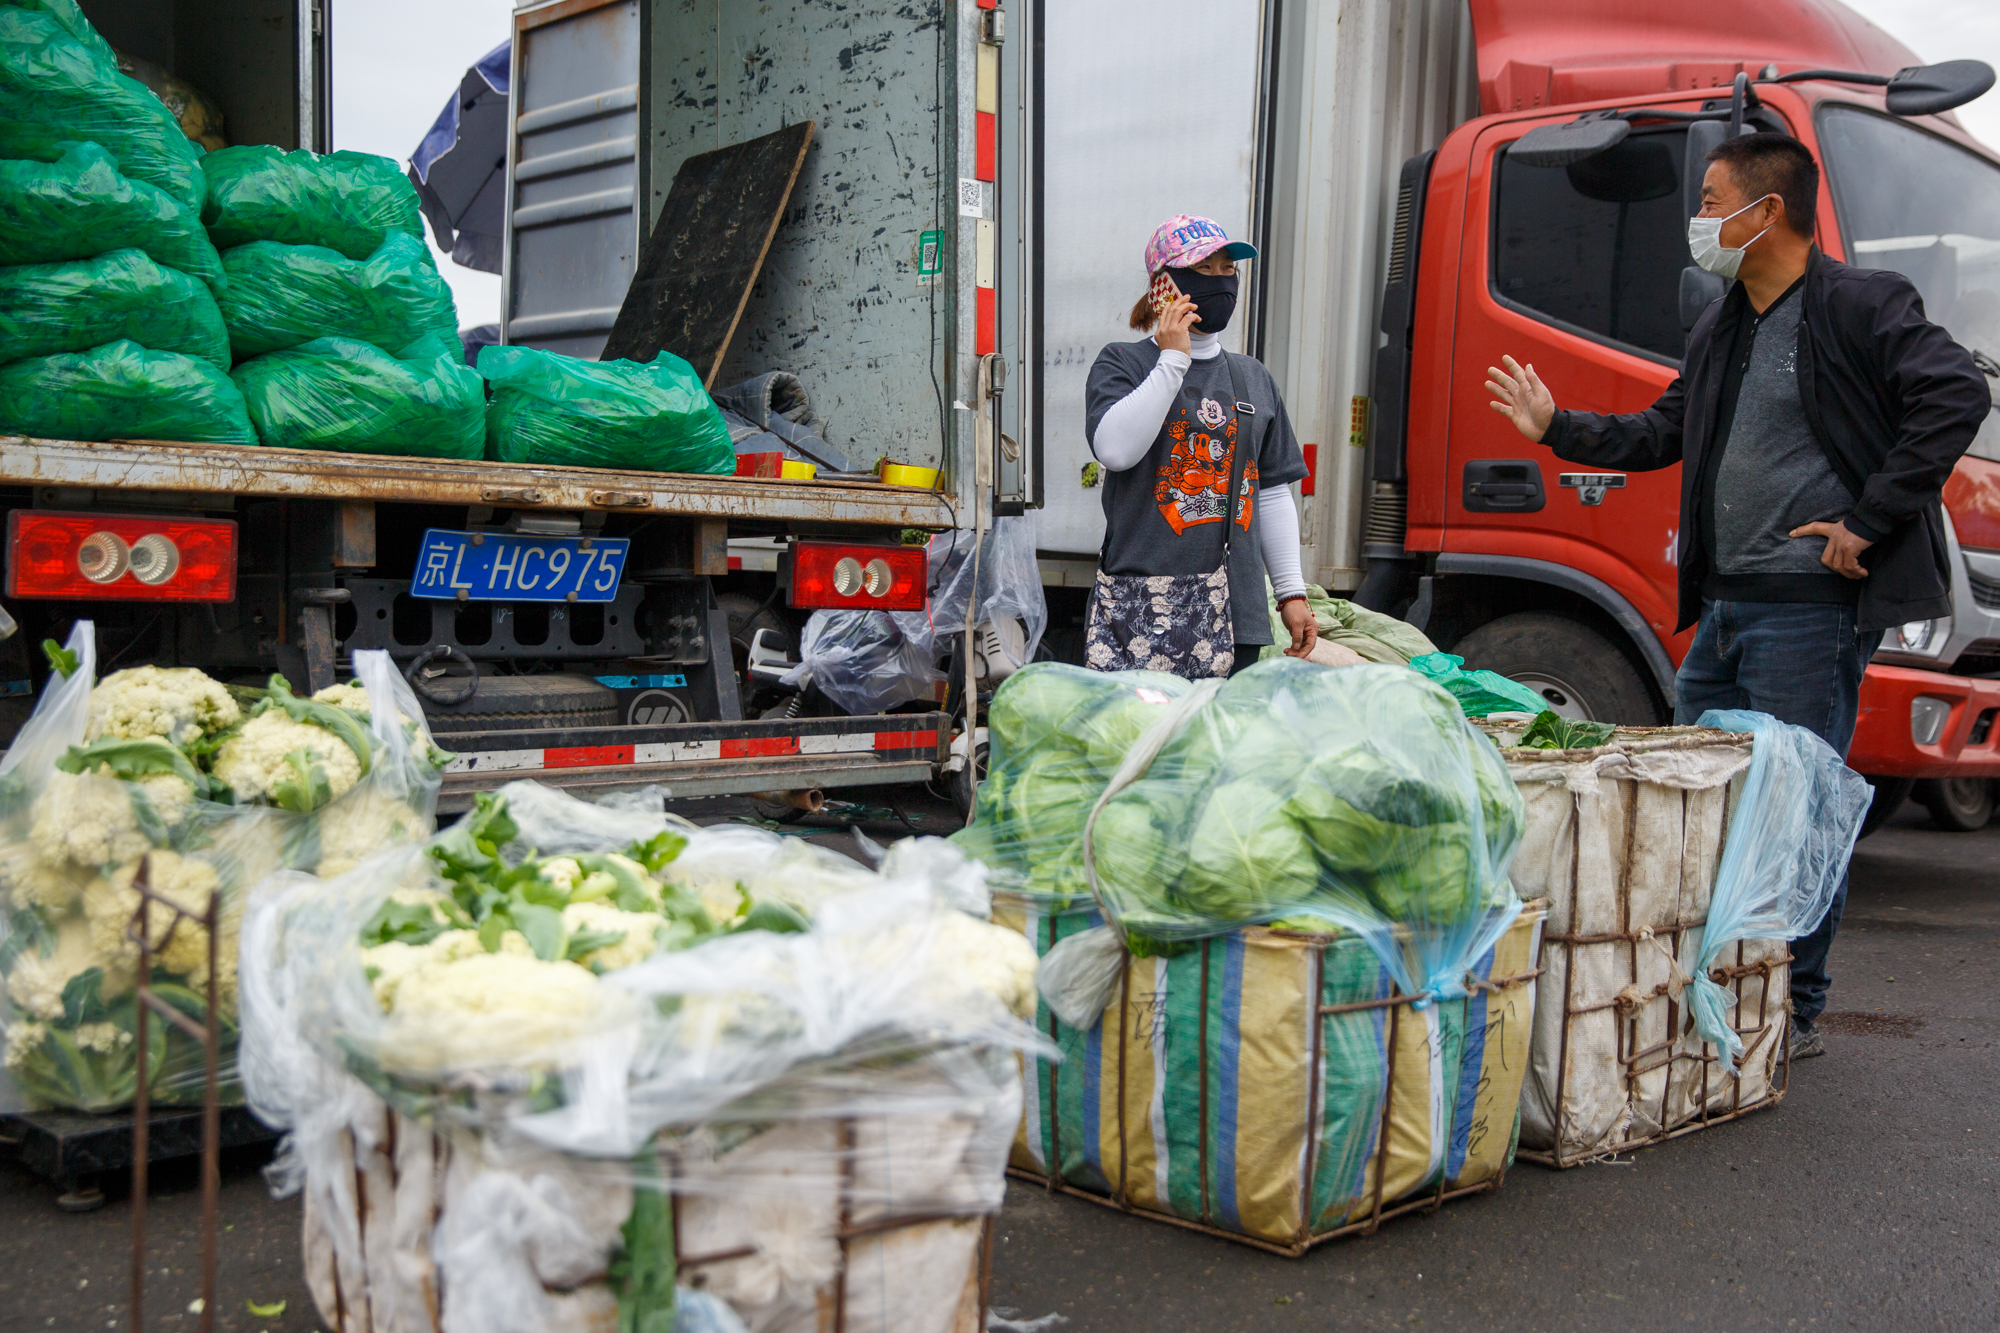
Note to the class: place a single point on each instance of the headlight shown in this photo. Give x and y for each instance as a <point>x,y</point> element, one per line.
<point>1919,636</point>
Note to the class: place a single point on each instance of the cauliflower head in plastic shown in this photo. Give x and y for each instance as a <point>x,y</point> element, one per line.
<point>992,958</point>
<point>365,821</point>
<point>491,1009</point>
<point>30,882</point>
<point>110,903</point>
<point>288,763</point>
<point>35,984</point>
<point>640,930</point>
<point>86,819</point>
<point>176,704</point>
<point>351,695</point>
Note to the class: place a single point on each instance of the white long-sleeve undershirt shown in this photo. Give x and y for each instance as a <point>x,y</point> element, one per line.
<point>1127,430</point>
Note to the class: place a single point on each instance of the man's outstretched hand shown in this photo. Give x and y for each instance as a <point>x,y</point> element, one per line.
<point>1521,397</point>
<point>1843,547</point>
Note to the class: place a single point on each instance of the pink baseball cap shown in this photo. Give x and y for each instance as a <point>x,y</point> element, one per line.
<point>1184,240</point>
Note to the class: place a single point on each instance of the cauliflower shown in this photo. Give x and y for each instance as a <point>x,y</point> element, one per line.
<point>293,764</point>
<point>992,958</point>
<point>34,883</point>
<point>353,696</point>
<point>111,902</point>
<point>640,934</point>
<point>363,822</point>
<point>87,819</point>
<point>103,1038</point>
<point>389,964</point>
<point>22,1039</point>
<point>492,1009</point>
<point>177,704</point>
<point>561,871</point>
<point>35,986</point>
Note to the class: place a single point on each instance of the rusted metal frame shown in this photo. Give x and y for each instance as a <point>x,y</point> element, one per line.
<point>986,1265</point>
<point>1504,983</point>
<point>1201,1074</point>
<point>847,1151</point>
<point>1124,1009</point>
<point>1619,937</point>
<point>210,1036</point>
<point>1316,1072</point>
<point>1388,1106</point>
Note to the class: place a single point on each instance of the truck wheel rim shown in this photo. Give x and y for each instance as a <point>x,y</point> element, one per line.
<point>1564,699</point>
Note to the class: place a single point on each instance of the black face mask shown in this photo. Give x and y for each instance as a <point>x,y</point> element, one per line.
<point>1214,297</point>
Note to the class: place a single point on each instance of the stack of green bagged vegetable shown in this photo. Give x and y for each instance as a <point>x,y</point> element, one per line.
<point>206,788</point>
<point>1357,798</point>
<point>109,287</point>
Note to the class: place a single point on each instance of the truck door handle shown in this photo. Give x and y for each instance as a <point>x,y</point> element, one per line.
<point>1591,486</point>
<point>1503,486</point>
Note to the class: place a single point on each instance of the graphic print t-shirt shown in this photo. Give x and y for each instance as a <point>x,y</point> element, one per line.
<point>1165,515</point>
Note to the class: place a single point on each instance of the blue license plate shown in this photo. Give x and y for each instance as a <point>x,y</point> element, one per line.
<point>515,567</point>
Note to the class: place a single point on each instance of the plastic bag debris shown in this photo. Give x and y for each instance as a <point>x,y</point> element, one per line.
<point>81,206</point>
<point>1791,833</point>
<point>1358,800</point>
<point>282,296</point>
<point>555,409</point>
<point>85,303</point>
<point>122,391</point>
<point>1370,634</point>
<point>350,396</point>
<point>1478,692</point>
<point>346,201</point>
<point>55,91</point>
<point>109,777</point>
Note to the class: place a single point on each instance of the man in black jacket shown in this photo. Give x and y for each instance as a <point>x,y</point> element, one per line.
<point>1818,415</point>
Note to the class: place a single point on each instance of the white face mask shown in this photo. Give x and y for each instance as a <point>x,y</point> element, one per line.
<point>1705,242</point>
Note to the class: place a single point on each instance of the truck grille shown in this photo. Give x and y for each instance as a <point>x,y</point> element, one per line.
<point>1985,591</point>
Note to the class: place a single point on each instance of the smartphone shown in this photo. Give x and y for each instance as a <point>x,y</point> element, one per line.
<point>1163,292</point>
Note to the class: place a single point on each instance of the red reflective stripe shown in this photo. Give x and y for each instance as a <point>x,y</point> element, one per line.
<point>986,337</point>
<point>586,756</point>
<point>904,740</point>
<point>985,144</point>
<point>757,747</point>
<point>1312,469</point>
<point>989,4</point>
<point>736,561</point>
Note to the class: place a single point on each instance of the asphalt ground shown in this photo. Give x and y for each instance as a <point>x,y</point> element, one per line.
<point>1865,1201</point>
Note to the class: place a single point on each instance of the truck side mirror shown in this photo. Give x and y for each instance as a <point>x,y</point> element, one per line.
<point>1560,145</point>
<point>1704,137</point>
<point>1929,90</point>
<point>1699,290</point>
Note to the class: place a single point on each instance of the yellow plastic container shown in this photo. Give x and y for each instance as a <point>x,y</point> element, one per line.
<point>795,470</point>
<point>897,474</point>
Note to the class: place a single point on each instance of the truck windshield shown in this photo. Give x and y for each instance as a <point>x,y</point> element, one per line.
<point>1930,210</point>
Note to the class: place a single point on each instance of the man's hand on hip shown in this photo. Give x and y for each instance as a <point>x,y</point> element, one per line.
<point>1521,397</point>
<point>1843,547</point>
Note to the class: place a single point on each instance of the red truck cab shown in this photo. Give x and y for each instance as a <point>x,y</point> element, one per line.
<point>1566,579</point>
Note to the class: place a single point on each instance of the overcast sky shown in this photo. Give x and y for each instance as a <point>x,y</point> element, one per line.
<point>396,63</point>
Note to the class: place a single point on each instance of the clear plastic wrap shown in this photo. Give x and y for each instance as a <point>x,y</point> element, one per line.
<point>1791,832</point>
<point>346,201</point>
<point>122,391</point>
<point>84,303</point>
<point>1357,800</point>
<point>80,206</point>
<point>872,661</point>
<point>280,296</point>
<point>556,409</point>
<point>777,1076</point>
<point>351,396</point>
<point>106,777</point>
<point>56,90</point>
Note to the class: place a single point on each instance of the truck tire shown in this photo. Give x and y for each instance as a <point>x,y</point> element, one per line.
<point>1957,805</point>
<point>1581,673</point>
<point>549,702</point>
<point>1889,793</point>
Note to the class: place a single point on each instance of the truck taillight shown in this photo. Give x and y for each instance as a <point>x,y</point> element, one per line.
<point>102,557</point>
<point>871,578</point>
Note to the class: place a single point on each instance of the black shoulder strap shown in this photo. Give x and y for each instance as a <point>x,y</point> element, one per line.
<point>1239,451</point>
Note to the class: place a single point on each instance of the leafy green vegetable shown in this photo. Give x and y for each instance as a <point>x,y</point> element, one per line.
<point>778,918</point>
<point>1550,731</point>
<point>1245,853</point>
<point>131,760</point>
<point>330,717</point>
<point>61,660</point>
<point>585,942</point>
<point>643,1271</point>
<point>404,923</point>
<point>658,851</point>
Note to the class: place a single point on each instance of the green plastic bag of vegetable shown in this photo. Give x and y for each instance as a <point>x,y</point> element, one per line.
<point>284,295</point>
<point>85,303</point>
<point>351,396</point>
<point>71,20</point>
<point>81,205</point>
<point>350,202</point>
<point>1478,692</point>
<point>54,91</point>
<point>122,391</point>
<point>549,408</point>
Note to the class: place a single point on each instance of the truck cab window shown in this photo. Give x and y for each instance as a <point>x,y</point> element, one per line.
<point>1598,246</point>
<point>1930,210</point>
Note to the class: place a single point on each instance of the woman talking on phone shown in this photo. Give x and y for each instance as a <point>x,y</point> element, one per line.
<point>1200,459</point>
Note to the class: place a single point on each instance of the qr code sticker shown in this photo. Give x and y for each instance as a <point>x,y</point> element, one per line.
<point>971,198</point>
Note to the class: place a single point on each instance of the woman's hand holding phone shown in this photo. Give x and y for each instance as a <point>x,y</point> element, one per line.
<point>1177,317</point>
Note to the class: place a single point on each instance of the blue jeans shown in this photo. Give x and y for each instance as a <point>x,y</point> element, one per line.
<point>1801,662</point>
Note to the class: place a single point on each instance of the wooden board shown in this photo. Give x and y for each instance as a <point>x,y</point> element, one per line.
<point>696,271</point>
